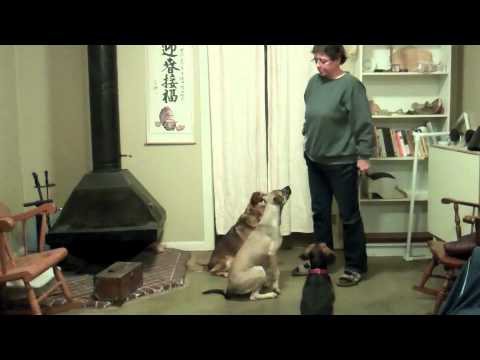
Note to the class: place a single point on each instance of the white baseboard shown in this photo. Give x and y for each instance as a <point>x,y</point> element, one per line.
<point>189,245</point>
<point>418,250</point>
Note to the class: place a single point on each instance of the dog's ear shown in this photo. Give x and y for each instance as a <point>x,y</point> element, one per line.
<point>331,258</point>
<point>329,253</point>
<point>254,211</point>
<point>257,197</point>
<point>306,253</point>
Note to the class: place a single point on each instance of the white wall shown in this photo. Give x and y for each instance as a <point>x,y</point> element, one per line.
<point>171,173</point>
<point>471,83</point>
<point>43,122</point>
<point>11,189</point>
<point>53,117</point>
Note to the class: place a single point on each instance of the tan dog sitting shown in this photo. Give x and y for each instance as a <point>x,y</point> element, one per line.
<point>255,266</point>
<point>225,251</point>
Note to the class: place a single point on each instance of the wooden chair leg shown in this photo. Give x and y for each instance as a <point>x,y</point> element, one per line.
<point>32,299</point>
<point>442,294</point>
<point>2,298</point>
<point>60,278</point>
<point>427,274</point>
<point>439,300</point>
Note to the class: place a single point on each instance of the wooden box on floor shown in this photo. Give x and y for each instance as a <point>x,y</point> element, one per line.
<point>118,281</point>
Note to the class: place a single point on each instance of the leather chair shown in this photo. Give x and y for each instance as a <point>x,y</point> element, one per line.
<point>451,255</point>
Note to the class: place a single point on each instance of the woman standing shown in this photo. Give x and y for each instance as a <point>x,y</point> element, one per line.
<point>338,133</point>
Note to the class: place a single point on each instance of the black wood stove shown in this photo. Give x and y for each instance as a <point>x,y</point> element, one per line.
<point>109,216</point>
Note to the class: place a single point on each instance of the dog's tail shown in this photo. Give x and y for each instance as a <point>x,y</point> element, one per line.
<point>217,291</point>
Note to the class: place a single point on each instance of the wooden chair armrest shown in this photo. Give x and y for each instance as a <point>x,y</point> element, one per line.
<point>471,219</point>
<point>7,224</point>
<point>48,208</point>
<point>453,201</point>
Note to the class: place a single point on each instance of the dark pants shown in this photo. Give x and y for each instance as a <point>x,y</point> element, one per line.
<point>341,181</point>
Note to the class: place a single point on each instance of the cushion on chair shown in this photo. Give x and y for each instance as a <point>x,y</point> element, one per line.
<point>463,248</point>
<point>438,251</point>
<point>30,266</point>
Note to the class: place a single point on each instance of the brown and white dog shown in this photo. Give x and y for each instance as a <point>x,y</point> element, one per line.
<point>255,266</point>
<point>225,251</point>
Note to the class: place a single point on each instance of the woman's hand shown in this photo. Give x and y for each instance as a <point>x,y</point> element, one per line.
<point>363,165</point>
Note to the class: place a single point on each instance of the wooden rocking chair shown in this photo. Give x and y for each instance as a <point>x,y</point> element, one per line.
<point>452,256</point>
<point>30,266</point>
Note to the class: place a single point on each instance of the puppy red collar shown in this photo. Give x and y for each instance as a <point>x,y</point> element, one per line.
<point>318,271</point>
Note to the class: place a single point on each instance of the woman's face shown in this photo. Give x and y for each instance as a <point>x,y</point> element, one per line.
<point>326,66</point>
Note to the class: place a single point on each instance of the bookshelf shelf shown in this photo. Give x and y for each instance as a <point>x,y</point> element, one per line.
<point>404,74</point>
<point>380,201</point>
<point>400,201</point>
<point>406,158</point>
<point>409,117</point>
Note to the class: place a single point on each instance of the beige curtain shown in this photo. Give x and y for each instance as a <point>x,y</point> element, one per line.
<point>237,105</point>
<point>289,69</point>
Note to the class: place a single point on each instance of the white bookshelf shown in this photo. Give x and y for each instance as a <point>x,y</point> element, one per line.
<point>379,201</point>
<point>394,91</point>
<point>404,74</point>
<point>406,158</point>
<point>408,117</point>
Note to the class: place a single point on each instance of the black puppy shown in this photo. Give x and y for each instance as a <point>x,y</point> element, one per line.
<point>318,295</point>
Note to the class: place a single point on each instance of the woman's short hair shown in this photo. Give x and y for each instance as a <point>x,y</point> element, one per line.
<point>334,52</point>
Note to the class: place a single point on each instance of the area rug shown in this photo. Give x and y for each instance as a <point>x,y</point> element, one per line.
<point>161,273</point>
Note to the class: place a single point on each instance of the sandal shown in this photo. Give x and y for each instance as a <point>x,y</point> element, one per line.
<point>349,278</point>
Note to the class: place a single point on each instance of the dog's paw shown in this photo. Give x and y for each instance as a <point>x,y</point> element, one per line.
<point>277,290</point>
<point>258,296</point>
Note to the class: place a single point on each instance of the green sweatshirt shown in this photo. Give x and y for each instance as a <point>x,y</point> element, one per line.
<point>338,125</point>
